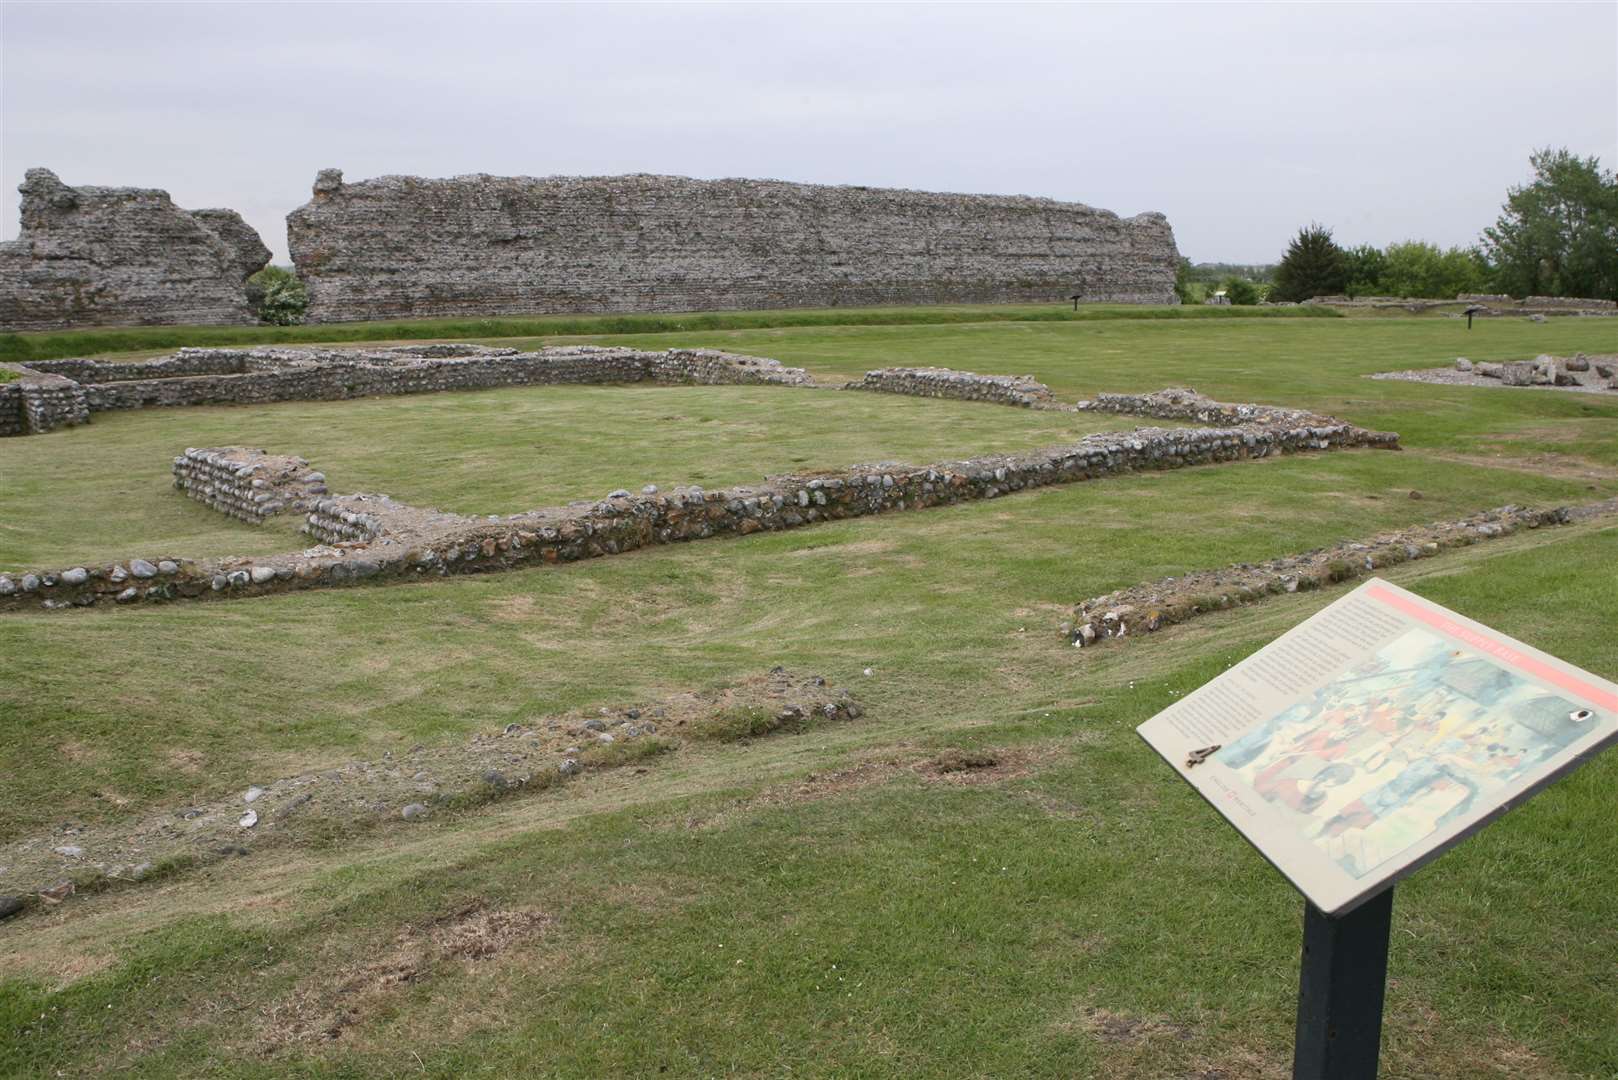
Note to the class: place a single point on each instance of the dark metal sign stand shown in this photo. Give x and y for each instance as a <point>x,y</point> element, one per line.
<point>1340,990</point>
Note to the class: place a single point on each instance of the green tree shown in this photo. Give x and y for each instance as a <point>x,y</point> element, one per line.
<point>1363,266</point>
<point>1182,280</point>
<point>1312,266</point>
<point>278,296</point>
<point>1558,234</point>
<point>1241,292</point>
<point>1417,268</point>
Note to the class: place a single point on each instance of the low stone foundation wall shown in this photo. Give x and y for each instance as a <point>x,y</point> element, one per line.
<point>1153,605</point>
<point>258,376</point>
<point>38,402</point>
<point>935,382</point>
<point>1181,403</point>
<point>371,536</point>
<point>249,485</point>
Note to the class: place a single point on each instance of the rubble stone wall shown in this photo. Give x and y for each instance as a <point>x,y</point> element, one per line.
<point>407,247</point>
<point>1153,605</point>
<point>249,485</point>
<point>117,256</point>
<point>391,541</point>
<point>1181,403</point>
<point>1021,390</point>
<point>256,376</point>
<point>37,402</point>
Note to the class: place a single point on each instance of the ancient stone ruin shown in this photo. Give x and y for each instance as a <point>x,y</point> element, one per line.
<point>399,246</point>
<point>114,256</point>
<point>363,537</point>
<point>48,394</point>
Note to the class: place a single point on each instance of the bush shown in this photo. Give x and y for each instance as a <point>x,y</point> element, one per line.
<point>1239,292</point>
<point>278,295</point>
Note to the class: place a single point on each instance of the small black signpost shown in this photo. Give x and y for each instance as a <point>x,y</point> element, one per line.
<point>1340,990</point>
<point>1471,311</point>
<point>1075,299</point>
<point>1356,748</point>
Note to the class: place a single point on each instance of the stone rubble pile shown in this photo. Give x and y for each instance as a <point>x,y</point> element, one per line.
<point>1153,605</point>
<point>249,485</point>
<point>1545,370</point>
<point>371,536</point>
<point>936,382</point>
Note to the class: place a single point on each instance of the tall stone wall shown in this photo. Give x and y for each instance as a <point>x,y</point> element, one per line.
<point>114,256</point>
<point>479,245</point>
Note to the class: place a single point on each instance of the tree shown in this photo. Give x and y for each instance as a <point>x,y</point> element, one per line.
<point>1417,268</point>
<point>1558,235</point>
<point>1182,281</point>
<point>1241,292</point>
<point>1312,266</point>
<point>1362,267</point>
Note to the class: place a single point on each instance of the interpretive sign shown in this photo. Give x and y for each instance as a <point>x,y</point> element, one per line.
<point>1372,737</point>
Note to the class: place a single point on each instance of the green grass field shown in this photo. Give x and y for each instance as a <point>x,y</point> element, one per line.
<point>57,344</point>
<point>810,903</point>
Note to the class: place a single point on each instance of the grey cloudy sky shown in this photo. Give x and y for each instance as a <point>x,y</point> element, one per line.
<point>1239,121</point>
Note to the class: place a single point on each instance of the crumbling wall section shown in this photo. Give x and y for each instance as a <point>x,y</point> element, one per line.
<point>257,376</point>
<point>117,256</point>
<point>1153,605</point>
<point>372,537</point>
<point>249,485</point>
<point>1021,390</point>
<point>36,402</point>
<point>407,247</point>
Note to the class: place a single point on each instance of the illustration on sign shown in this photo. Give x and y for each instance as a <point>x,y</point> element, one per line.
<point>1376,734</point>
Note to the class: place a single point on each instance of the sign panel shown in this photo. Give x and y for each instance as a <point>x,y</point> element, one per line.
<point>1367,740</point>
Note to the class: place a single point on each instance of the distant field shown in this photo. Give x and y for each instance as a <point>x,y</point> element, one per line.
<point>53,345</point>
<point>816,904</point>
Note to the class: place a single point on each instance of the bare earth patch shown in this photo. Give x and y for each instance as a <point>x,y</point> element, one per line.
<point>326,1004</point>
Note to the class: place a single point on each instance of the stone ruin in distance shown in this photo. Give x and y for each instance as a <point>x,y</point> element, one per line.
<point>405,247</point>
<point>123,256</point>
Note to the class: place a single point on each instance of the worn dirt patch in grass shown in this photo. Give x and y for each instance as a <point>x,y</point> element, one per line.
<point>327,1004</point>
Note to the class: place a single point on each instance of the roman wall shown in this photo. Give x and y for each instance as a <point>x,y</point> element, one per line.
<point>118,256</point>
<point>1021,390</point>
<point>257,376</point>
<point>249,485</point>
<point>406,247</point>
<point>370,537</point>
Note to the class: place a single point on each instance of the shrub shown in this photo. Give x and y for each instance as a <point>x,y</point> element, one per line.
<point>278,295</point>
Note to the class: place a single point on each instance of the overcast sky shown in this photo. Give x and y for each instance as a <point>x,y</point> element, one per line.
<point>1241,122</point>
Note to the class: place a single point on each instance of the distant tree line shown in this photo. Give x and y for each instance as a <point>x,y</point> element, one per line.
<point>1556,236</point>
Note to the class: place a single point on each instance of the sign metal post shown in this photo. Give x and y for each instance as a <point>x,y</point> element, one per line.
<point>1340,991</point>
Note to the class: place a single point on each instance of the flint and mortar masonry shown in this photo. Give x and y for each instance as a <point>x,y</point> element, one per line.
<point>391,541</point>
<point>935,382</point>
<point>256,376</point>
<point>246,484</point>
<point>1153,605</point>
<point>118,256</point>
<point>411,247</point>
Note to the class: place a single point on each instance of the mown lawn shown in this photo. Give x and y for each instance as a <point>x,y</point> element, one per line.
<point>486,452</point>
<point>813,904</point>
